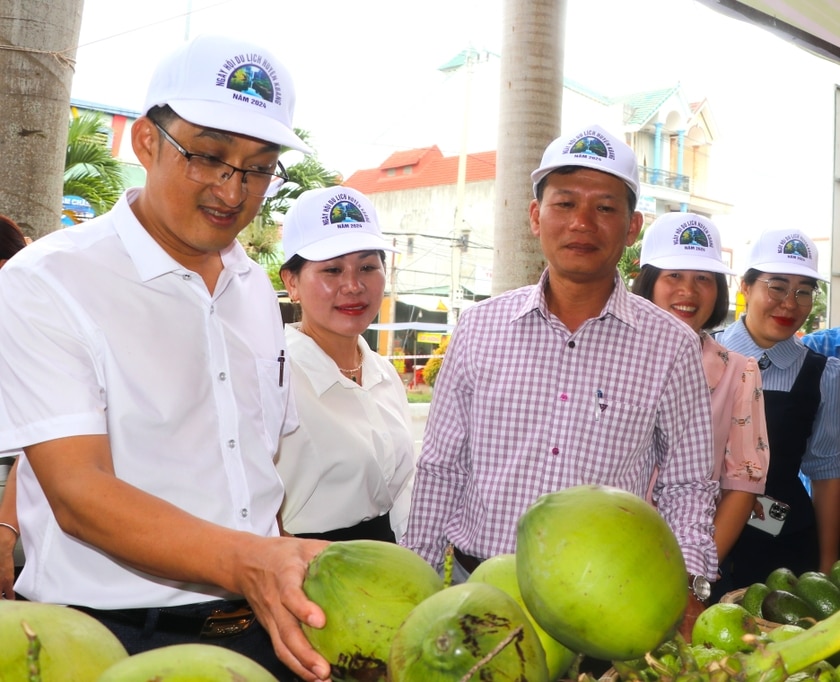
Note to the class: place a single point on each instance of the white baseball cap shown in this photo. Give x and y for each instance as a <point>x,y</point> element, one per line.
<point>228,84</point>
<point>329,222</point>
<point>785,252</point>
<point>683,241</point>
<point>592,147</point>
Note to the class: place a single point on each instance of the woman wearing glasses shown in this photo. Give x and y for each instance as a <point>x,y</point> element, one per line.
<point>802,399</point>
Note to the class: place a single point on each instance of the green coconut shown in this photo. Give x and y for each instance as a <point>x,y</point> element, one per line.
<point>500,571</point>
<point>187,663</point>
<point>63,644</point>
<point>472,631</point>
<point>601,571</point>
<point>366,589</point>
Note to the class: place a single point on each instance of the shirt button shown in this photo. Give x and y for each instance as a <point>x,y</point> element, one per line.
<point>243,513</point>
<point>571,344</point>
<point>564,397</point>
<point>186,277</point>
<point>212,309</point>
<point>555,451</point>
<point>222,376</point>
<point>231,444</point>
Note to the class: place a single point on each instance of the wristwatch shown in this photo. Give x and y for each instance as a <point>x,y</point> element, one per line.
<point>700,587</point>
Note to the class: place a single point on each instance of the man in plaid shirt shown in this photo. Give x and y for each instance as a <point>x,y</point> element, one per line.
<point>570,381</point>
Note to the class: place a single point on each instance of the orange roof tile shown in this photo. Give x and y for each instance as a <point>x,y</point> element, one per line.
<point>421,168</point>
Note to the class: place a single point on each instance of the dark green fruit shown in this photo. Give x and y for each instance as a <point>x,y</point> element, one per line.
<point>473,628</point>
<point>822,595</point>
<point>366,589</point>
<point>753,597</point>
<point>834,573</point>
<point>601,571</point>
<point>781,579</point>
<point>781,606</point>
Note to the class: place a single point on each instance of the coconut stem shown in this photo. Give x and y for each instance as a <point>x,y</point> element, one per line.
<point>33,653</point>
<point>495,651</point>
<point>448,562</point>
<point>779,660</point>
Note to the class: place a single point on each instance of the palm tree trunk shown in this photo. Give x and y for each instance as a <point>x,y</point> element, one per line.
<point>38,40</point>
<point>529,118</point>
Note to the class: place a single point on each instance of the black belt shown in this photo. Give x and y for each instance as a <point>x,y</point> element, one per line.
<point>209,621</point>
<point>378,528</point>
<point>467,561</point>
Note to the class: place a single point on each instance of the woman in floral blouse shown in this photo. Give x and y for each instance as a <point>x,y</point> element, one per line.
<point>683,273</point>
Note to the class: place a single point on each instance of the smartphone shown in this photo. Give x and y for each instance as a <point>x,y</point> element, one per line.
<point>775,513</point>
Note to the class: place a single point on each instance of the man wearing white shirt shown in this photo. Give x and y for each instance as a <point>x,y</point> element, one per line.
<point>141,372</point>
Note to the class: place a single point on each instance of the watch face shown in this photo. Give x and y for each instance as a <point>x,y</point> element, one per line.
<point>701,587</point>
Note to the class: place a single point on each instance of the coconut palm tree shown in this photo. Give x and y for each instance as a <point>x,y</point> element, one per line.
<point>529,118</point>
<point>90,170</point>
<point>39,39</point>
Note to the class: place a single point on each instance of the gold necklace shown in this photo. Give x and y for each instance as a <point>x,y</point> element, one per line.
<point>351,373</point>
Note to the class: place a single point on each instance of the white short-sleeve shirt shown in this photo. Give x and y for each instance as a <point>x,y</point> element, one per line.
<point>104,333</point>
<point>352,459</point>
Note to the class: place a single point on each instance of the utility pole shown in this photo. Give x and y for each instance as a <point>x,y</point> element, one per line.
<point>458,246</point>
<point>392,299</point>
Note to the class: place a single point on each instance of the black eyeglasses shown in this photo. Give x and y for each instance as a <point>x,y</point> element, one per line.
<point>209,170</point>
<point>778,292</point>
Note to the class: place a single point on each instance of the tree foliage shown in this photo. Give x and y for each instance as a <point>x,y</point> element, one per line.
<point>628,265</point>
<point>90,171</point>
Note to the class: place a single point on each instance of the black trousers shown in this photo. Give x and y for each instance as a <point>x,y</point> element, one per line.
<point>144,629</point>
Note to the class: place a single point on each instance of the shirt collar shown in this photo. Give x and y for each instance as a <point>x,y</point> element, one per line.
<point>782,354</point>
<point>148,256</point>
<point>320,368</point>
<point>618,305</point>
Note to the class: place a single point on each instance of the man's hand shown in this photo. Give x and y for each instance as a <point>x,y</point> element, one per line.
<point>8,534</point>
<point>157,537</point>
<point>695,608</point>
<point>271,579</point>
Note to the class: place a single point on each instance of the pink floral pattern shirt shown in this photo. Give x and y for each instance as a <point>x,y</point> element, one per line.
<point>742,454</point>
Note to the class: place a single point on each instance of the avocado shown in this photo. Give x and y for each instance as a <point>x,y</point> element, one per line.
<point>822,595</point>
<point>781,579</point>
<point>781,606</point>
<point>834,573</point>
<point>753,597</point>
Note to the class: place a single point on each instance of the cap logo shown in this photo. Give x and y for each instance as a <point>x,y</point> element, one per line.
<point>590,143</point>
<point>792,245</point>
<point>251,78</point>
<point>693,235</point>
<point>342,210</point>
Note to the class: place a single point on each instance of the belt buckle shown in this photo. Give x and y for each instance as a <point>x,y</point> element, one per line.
<point>227,623</point>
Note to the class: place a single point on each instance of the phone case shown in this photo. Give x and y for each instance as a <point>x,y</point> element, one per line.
<point>775,513</point>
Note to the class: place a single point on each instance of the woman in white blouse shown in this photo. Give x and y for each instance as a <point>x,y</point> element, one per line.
<point>348,469</point>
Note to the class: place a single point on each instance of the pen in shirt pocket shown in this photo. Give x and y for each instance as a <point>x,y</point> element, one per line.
<point>600,405</point>
<point>282,360</point>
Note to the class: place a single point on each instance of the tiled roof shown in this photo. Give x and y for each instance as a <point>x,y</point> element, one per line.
<point>421,168</point>
<point>641,106</point>
<point>411,157</point>
<point>581,89</point>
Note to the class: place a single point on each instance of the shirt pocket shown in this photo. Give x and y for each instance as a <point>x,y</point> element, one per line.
<point>273,399</point>
<point>614,449</point>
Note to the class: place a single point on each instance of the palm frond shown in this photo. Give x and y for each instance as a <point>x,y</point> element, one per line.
<point>90,171</point>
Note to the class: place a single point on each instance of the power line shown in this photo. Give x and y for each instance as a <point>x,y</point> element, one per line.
<point>156,23</point>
